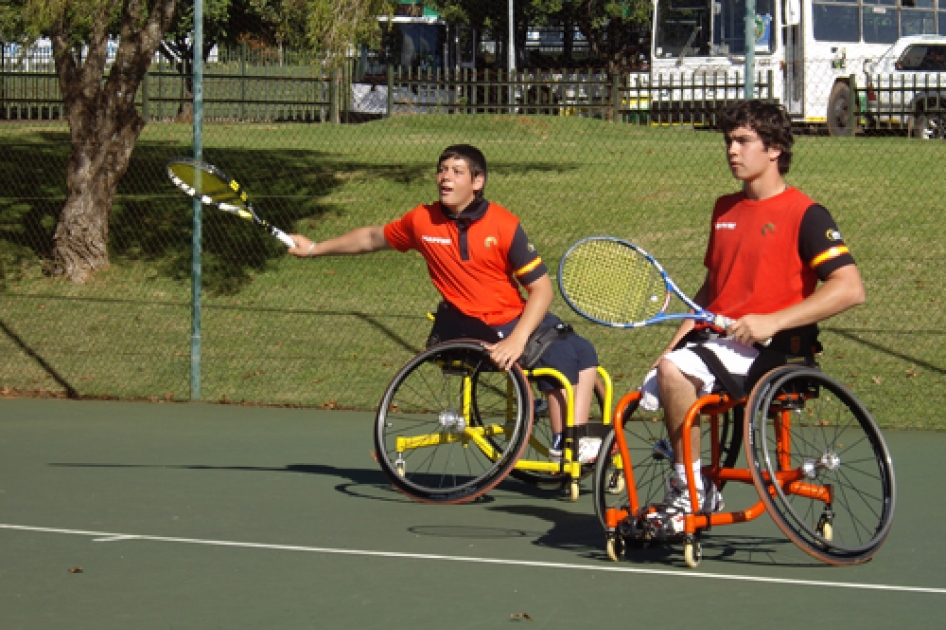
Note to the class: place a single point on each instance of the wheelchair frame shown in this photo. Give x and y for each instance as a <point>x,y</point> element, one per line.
<point>792,407</point>
<point>500,430</point>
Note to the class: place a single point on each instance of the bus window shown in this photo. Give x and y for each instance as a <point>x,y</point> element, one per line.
<point>682,32</point>
<point>729,31</point>
<point>836,22</point>
<point>917,22</point>
<point>880,25</point>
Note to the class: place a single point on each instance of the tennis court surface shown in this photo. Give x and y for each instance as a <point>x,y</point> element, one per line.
<point>135,515</point>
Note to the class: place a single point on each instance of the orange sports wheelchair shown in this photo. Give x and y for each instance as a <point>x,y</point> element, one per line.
<point>815,456</point>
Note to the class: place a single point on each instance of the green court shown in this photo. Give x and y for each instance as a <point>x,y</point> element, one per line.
<point>135,515</point>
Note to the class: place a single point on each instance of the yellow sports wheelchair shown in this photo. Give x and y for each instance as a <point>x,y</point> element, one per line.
<point>451,426</point>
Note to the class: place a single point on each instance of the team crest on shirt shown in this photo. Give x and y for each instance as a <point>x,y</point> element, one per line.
<point>491,241</point>
<point>768,228</point>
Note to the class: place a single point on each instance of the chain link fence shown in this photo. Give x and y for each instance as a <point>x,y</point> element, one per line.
<point>571,154</point>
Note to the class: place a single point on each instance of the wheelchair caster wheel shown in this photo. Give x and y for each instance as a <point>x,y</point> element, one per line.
<point>692,554</point>
<point>615,547</point>
<point>573,490</point>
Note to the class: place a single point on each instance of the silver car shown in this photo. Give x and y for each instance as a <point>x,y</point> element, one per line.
<point>906,87</point>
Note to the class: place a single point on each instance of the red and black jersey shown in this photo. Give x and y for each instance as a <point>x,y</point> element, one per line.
<point>767,255</point>
<point>474,260</point>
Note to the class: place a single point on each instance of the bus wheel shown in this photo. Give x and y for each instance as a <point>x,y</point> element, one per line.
<point>839,111</point>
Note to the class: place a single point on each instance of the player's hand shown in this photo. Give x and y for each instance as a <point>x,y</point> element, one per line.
<point>752,329</point>
<point>506,352</point>
<point>304,246</point>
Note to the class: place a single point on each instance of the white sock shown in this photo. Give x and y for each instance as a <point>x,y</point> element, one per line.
<point>681,471</point>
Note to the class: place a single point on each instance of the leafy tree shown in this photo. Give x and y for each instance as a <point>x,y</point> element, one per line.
<point>99,101</point>
<point>612,27</point>
<point>335,27</point>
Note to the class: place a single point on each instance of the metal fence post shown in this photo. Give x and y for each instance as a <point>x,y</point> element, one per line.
<point>390,108</point>
<point>198,76</point>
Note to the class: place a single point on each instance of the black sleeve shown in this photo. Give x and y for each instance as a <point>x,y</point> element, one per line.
<point>820,243</point>
<point>526,263</point>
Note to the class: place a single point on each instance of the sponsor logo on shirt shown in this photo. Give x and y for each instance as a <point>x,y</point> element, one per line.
<point>721,225</point>
<point>439,240</point>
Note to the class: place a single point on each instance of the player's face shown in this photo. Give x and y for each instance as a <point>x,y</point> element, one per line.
<point>748,158</point>
<point>456,184</point>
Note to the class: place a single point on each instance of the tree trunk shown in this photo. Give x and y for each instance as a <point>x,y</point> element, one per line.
<point>94,168</point>
<point>104,125</point>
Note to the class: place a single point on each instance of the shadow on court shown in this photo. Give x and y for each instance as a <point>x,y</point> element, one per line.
<point>133,515</point>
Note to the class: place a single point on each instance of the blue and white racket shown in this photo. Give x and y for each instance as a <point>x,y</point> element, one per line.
<point>615,283</point>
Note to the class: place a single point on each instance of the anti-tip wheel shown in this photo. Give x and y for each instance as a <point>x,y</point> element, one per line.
<point>616,547</point>
<point>693,554</point>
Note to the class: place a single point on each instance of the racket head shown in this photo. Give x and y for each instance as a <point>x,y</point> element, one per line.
<point>613,282</point>
<point>209,184</point>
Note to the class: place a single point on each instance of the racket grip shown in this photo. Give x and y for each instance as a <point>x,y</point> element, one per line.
<point>285,238</point>
<point>722,322</point>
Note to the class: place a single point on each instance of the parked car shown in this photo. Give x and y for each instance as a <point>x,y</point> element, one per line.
<point>906,87</point>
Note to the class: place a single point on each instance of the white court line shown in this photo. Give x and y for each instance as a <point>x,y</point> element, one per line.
<point>113,537</point>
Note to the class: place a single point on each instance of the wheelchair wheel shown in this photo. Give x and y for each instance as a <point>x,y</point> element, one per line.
<point>426,438</point>
<point>820,465</point>
<point>652,457</point>
<point>541,439</point>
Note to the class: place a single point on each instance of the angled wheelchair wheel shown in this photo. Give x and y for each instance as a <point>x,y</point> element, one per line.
<point>428,440</point>
<point>651,456</point>
<point>541,439</point>
<point>651,461</point>
<point>820,465</point>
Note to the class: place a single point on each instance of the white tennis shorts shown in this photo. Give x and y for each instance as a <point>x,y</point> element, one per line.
<point>736,357</point>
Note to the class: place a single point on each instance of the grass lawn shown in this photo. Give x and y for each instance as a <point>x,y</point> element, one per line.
<point>332,332</point>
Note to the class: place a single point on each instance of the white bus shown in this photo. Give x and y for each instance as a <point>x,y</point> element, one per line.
<point>811,47</point>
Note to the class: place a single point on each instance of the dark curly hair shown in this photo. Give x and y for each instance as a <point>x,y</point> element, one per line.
<point>472,156</point>
<point>770,120</point>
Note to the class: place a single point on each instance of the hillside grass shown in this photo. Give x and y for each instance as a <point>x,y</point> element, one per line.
<point>332,332</point>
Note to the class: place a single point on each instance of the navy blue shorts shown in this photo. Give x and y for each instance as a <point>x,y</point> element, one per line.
<point>569,355</point>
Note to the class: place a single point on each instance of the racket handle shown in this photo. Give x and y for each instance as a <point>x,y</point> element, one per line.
<point>722,322</point>
<point>285,238</point>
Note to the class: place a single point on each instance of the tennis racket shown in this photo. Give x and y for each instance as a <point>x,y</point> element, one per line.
<point>212,186</point>
<point>616,283</point>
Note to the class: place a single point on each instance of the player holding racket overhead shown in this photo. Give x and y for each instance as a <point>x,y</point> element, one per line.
<point>478,256</point>
<point>769,246</point>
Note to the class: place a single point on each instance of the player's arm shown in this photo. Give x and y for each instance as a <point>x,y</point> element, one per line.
<point>842,289</point>
<point>823,249</point>
<point>506,352</point>
<point>530,271</point>
<point>359,241</point>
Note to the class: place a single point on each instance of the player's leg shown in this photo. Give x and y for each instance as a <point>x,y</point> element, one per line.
<point>678,393</point>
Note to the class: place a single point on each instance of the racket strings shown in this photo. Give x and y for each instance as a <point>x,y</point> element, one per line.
<point>613,283</point>
<point>207,185</point>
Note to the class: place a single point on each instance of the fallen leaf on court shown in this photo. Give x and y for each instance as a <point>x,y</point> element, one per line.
<point>911,373</point>
<point>75,570</point>
<point>520,616</point>
<point>877,380</point>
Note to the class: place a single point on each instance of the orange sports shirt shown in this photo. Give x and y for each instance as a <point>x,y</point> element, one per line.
<point>476,261</point>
